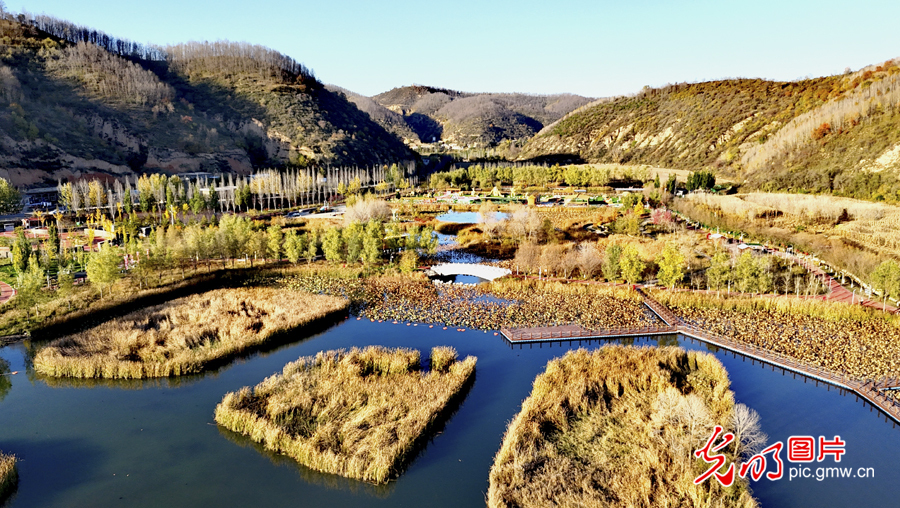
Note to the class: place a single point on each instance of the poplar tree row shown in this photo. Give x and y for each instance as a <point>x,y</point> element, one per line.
<point>265,190</point>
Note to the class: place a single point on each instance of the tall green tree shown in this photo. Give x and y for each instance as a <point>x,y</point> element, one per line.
<point>719,271</point>
<point>127,201</point>
<point>746,273</point>
<point>333,245</point>
<point>611,268</point>
<point>353,236</point>
<point>312,246</point>
<point>10,199</point>
<point>274,239</point>
<point>632,265</point>
<point>65,283</point>
<point>671,266</point>
<point>886,278</point>
<point>21,251</point>
<point>373,242</point>
<point>292,247</point>
<point>103,267</point>
<point>29,284</point>
<point>53,237</point>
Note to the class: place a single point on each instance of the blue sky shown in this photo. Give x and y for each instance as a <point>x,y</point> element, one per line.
<point>595,48</point>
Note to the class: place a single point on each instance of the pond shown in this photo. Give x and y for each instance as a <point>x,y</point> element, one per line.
<point>466,217</point>
<point>154,443</point>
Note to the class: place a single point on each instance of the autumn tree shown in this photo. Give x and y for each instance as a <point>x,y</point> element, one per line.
<point>10,199</point>
<point>372,242</point>
<point>103,267</point>
<point>274,238</point>
<point>886,278</point>
<point>333,245</point>
<point>353,236</point>
<point>746,273</point>
<point>21,251</point>
<point>312,246</point>
<point>588,260</point>
<point>632,265</point>
<point>293,250</point>
<point>611,266</point>
<point>29,283</point>
<point>671,266</point>
<point>719,271</point>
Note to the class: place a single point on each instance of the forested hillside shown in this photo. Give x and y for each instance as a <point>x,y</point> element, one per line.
<point>835,134</point>
<point>467,119</point>
<point>391,121</point>
<point>75,101</point>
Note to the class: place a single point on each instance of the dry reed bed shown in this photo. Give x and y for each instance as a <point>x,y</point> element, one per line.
<point>851,339</point>
<point>184,335</point>
<point>8,475</point>
<point>875,225</point>
<point>359,413</point>
<point>502,303</point>
<point>616,427</point>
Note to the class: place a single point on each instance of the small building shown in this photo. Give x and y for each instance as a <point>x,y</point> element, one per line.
<point>42,198</point>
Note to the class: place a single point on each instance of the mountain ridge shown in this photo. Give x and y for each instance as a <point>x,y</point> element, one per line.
<point>90,103</point>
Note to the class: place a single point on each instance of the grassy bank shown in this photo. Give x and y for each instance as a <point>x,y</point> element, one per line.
<point>357,413</point>
<point>53,313</point>
<point>184,335</point>
<point>861,342</point>
<point>9,477</point>
<point>616,427</point>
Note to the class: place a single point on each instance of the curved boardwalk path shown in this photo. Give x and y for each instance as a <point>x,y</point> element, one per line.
<point>869,390</point>
<point>6,292</point>
<point>836,291</point>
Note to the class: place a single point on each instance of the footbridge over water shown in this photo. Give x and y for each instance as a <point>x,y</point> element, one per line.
<point>486,272</point>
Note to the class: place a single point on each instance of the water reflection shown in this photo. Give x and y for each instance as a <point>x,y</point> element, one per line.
<point>5,383</point>
<point>165,436</point>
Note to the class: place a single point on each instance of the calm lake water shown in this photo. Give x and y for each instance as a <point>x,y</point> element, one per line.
<point>154,443</point>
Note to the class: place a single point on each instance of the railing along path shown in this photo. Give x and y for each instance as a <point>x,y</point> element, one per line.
<point>869,390</point>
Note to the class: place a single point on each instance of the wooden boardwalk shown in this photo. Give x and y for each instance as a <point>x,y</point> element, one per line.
<point>545,333</point>
<point>869,390</point>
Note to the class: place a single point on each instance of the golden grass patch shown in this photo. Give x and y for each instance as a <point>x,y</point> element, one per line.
<point>8,475</point>
<point>858,341</point>
<point>184,335</point>
<point>358,413</point>
<point>617,427</point>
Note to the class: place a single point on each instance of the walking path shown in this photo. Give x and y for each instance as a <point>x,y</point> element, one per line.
<point>6,292</point>
<point>869,390</point>
<point>837,292</point>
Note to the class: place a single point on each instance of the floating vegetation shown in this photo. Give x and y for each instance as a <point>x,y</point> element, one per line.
<point>9,477</point>
<point>617,427</point>
<point>359,413</point>
<point>184,335</point>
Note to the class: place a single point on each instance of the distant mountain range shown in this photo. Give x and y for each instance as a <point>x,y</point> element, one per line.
<point>76,102</point>
<point>473,119</point>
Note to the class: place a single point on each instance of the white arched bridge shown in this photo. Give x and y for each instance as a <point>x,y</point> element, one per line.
<point>486,272</point>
